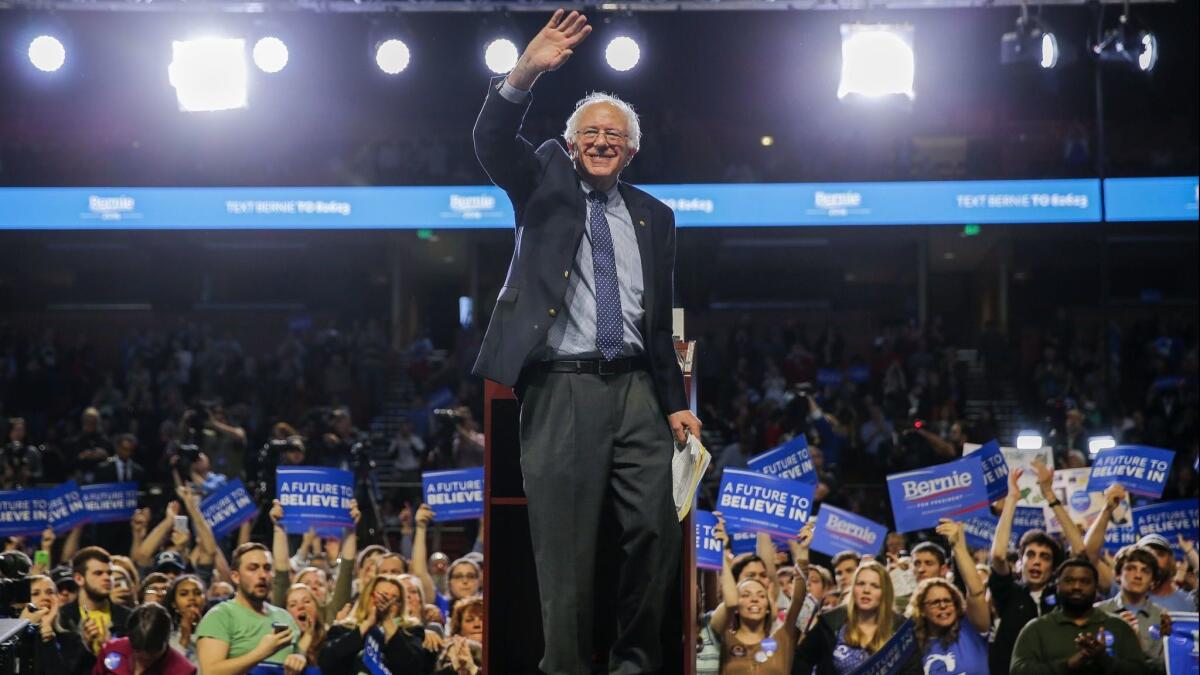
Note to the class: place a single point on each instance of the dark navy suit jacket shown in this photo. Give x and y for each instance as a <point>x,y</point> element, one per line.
<point>550,213</point>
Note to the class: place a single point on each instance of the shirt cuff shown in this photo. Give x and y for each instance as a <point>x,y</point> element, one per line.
<point>511,93</point>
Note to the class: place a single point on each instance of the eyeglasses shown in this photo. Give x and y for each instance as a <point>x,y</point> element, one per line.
<point>466,576</point>
<point>610,135</point>
<point>940,602</point>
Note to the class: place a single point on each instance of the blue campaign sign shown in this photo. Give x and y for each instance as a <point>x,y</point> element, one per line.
<point>790,460</point>
<point>1179,648</point>
<point>1136,199</point>
<point>110,502</point>
<point>227,507</point>
<point>741,541</point>
<point>837,530</point>
<point>893,656</point>
<point>951,490</point>
<point>1117,537</point>
<point>456,494</point>
<point>1170,519</point>
<point>316,497</point>
<point>995,469</point>
<point>708,547</point>
<point>1143,470</point>
<point>753,501</point>
<point>485,206</point>
<point>829,376</point>
<point>980,530</point>
<point>23,512</point>
<point>859,374</point>
<point>372,654</point>
<point>1027,518</point>
<point>65,509</point>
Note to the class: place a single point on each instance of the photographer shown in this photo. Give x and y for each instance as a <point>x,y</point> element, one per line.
<point>90,447</point>
<point>459,443</point>
<point>22,463</point>
<point>205,426</point>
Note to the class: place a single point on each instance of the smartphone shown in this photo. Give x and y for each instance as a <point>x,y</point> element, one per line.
<point>181,523</point>
<point>42,559</point>
<point>279,627</point>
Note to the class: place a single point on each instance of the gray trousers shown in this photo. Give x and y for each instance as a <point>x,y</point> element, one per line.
<point>588,441</point>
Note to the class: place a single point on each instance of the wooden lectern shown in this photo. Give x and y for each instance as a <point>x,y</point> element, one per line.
<point>513,625</point>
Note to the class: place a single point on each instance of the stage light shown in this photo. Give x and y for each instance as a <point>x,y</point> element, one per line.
<point>1031,41</point>
<point>1130,45</point>
<point>622,53</point>
<point>1029,440</point>
<point>1098,443</point>
<point>392,56</point>
<point>767,141</point>
<point>47,53</point>
<point>209,73</point>
<point>270,54</point>
<point>877,60</point>
<point>500,55</point>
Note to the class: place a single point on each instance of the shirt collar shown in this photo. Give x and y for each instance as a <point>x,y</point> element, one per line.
<point>1095,617</point>
<point>613,193</point>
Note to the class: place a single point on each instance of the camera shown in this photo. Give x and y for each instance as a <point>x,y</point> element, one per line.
<point>14,578</point>
<point>189,454</point>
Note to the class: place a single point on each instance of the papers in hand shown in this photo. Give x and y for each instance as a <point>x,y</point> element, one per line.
<point>687,468</point>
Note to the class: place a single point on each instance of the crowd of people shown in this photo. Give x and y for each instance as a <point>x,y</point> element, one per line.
<point>154,597</point>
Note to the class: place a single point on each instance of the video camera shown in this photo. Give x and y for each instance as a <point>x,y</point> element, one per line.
<point>14,578</point>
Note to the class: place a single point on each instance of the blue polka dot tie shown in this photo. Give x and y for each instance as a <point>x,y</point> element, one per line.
<point>610,329</point>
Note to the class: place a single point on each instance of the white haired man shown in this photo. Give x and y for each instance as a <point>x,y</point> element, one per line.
<point>582,331</point>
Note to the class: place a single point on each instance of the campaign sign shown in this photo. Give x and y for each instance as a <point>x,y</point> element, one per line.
<point>742,541</point>
<point>1143,470</point>
<point>456,494</point>
<point>893,656</point>
<point>829,376</point>
<point>22,512</point>
<point>110,502</point>
<point>1117,537</point>
<point>753,501</point>
<point>64,507</point>
<point>1024,459</point>
<point>227,507</point>
<point>922,496</point>
<point>790,460</point>
<point>1180,648</point>
<point>708,547</point>
<point>1070,486</point>
<point>372,654</point>
<point>980,530</point>
<point>315,497</point>
<point>837,530</point>
<point>995,470</point>
<point>265,668</point>
<point>1170,519</point>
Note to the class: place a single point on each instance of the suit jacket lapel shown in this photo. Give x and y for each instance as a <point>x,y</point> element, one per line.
<point>639,213</point>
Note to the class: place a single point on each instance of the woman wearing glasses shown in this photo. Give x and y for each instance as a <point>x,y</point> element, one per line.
<point>937,609</point>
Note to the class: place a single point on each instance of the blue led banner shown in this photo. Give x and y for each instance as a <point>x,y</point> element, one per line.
<point>476,206</point>
<point>1133,199</point>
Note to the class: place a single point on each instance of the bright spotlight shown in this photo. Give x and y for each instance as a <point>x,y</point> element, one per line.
<point>1031,41</point>
<point>270,54</point>
<point>1049,51</point>
<point>47,53</point>
<point>877,60</point>
<point>1149,52</point>
<point>392,56</point>
<point>622,53</point>
<point>209,73</point>
<point>500,56</point>
<point>1098,443</point>
<point>1029,440</point>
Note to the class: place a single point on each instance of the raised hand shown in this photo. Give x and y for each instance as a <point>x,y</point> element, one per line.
<point>950,529</point>
<point>804,539</point>
<point>424,513</point>
<point>355,514</point>
<point>1014,491</point>
<point>276,512</point>
<point>554,43</point>
<point>719,532</point>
